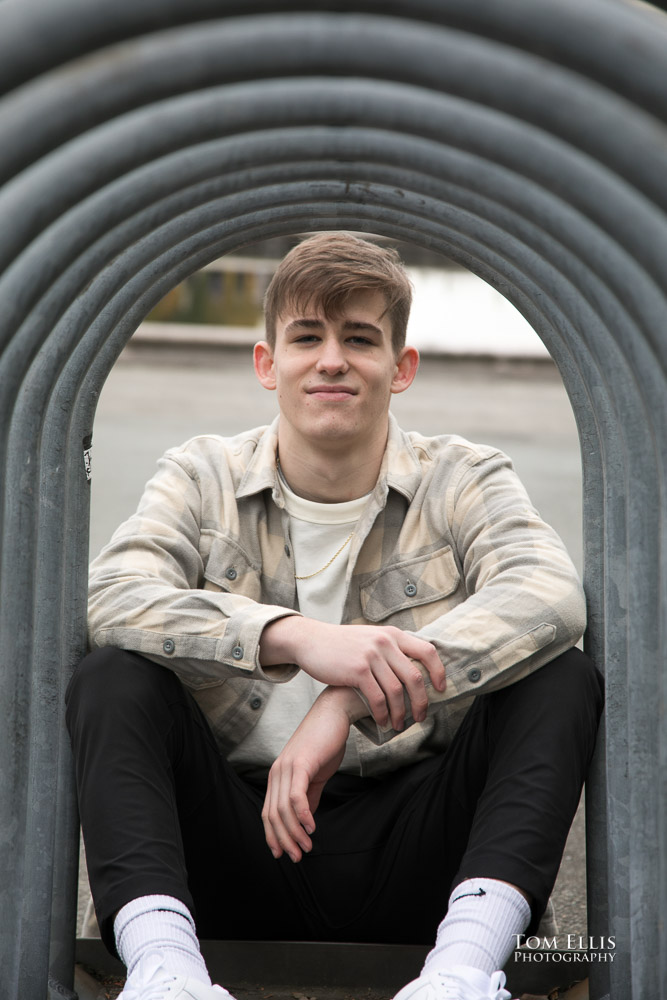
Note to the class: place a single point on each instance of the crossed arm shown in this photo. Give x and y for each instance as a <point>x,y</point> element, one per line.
<point>377,661</point>
<point>300,772</point>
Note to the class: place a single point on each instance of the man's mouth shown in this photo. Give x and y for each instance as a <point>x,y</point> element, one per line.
<point>331,392</point>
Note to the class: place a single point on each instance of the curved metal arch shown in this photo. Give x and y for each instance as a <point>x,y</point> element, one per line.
<point>79,220</point>
<point>557,111</point>
<point>622,51</point>
<point>551,86</point>
<point>158,269</point>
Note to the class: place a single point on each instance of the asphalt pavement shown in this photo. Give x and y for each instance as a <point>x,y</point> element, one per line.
<point>157,398</point>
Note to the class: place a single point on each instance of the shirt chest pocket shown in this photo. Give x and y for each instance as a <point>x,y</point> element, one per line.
<point>413,583</point>
<point>228,568</point>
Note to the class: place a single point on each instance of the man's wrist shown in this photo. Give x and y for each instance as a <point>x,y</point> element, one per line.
<point>278,642</point>
<point>346,699</point>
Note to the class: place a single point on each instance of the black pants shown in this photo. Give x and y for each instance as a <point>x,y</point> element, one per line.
<point>163,812</point>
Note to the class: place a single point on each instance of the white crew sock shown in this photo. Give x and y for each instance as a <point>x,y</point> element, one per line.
<point>160,923</point>
<point>483,919</point>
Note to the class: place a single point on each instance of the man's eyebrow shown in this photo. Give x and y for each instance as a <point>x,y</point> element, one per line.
<point>352,324</point>
<point>317,324</point>
<point>309,324</point>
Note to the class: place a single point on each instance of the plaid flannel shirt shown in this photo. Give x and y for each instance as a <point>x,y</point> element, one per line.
<point>448,548</point>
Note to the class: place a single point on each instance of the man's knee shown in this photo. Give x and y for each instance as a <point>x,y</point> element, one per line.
<point>565,696</point>
<point>110,678</point>
<point>567,701</point>
<point>576,676</point>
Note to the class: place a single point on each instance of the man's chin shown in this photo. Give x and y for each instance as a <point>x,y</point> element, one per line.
<point>332,434</point>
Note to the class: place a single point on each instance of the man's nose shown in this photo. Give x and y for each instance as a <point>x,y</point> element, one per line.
<point>331,357</point>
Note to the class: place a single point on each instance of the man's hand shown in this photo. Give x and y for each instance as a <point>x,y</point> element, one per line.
<point>302,769</point>
<point>376,660</point>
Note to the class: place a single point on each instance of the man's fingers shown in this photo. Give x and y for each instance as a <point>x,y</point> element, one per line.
<point>395,673</point>
<point>286,812</point>
<point>301,820</point>
<point>375,698</point>
<point>393,691</point>
<point>412,678</point>
<point>272,841</point>
<point>435,667</point>
<point>286,843</point>
<point>269,831</point>
<point>427,654</point>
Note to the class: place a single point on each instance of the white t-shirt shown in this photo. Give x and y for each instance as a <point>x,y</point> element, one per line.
<point>318,532</point>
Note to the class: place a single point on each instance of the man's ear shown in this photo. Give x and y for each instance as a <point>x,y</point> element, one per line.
<point>407,364</point>
<point>262,357</point>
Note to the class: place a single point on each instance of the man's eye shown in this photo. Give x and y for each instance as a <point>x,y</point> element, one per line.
<point>358,339</point>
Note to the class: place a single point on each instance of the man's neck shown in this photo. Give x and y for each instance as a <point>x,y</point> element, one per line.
<point>331,475</point>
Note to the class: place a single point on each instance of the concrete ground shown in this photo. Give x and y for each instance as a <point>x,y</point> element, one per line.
<point>154,399</point>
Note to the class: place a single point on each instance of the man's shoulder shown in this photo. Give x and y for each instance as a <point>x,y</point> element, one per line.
<point>450,449</point>
<point>215,451</point>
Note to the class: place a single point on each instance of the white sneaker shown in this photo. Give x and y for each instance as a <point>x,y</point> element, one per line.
<point>151,981</point>
<point>461,982</point>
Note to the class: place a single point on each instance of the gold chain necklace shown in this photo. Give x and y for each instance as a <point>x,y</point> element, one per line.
<point>317,572</point>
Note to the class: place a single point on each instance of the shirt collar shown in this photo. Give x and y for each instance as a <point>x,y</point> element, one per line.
<point>400,469</point>
<point>262,472</point>
<point>400,465</point>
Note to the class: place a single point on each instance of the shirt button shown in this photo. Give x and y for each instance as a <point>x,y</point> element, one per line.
<point>410,589</point>
<point>237,652</point>
<point>256,703</point>
<point>474,675</point>
<point>231,573</point>
<point>287,551</point>
<point>169,646</point>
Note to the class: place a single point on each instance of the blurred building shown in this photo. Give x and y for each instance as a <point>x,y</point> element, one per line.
<point>454,312</point>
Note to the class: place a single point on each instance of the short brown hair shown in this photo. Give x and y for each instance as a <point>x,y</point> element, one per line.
<point>325,269</point>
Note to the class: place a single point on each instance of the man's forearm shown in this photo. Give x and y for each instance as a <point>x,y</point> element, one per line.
<point>281,641</point>
<point>379,661</point>
<point>347,700</point>
<point>307,761</point>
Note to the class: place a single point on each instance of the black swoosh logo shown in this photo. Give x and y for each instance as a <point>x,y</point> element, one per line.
<point>481,892</point>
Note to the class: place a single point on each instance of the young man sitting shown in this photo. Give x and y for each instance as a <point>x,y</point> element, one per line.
<point>332,693</point>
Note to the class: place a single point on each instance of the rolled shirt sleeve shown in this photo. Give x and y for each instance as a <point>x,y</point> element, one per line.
<point>524,602</point>
<point>150,590</point>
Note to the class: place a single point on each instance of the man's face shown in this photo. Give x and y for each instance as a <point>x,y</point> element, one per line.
<point>335,375</point>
